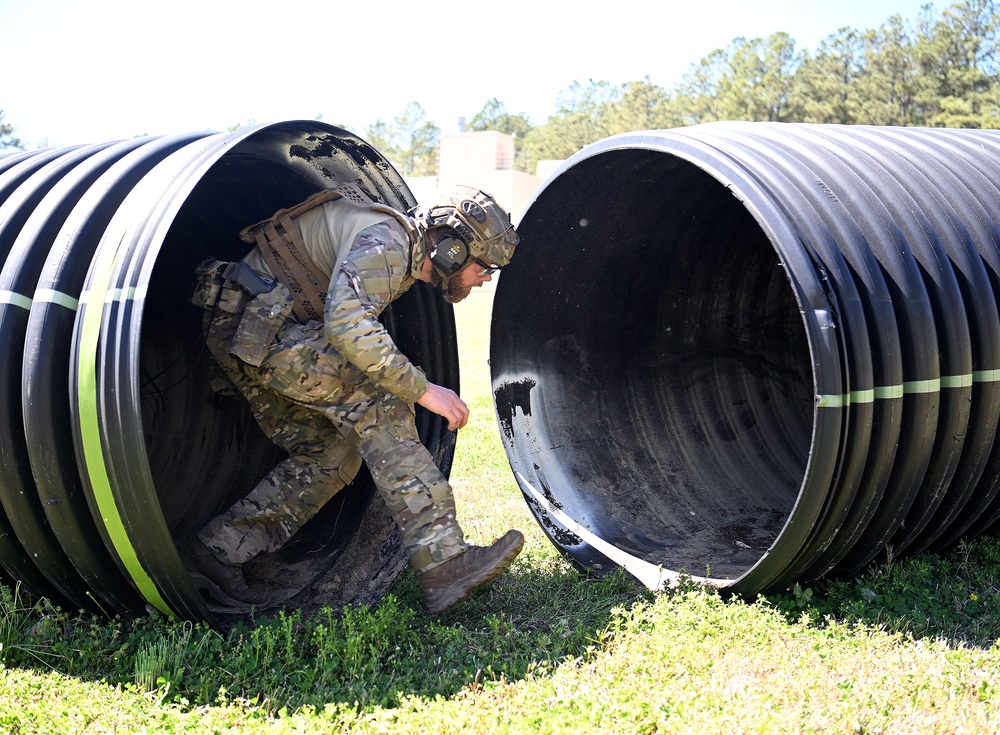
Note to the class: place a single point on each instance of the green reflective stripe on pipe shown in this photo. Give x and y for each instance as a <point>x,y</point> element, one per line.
<point>117,294</point>
<point>93,453</point>
<point>15,299</point>
<point>48,296</point>
<point>956,381</point>
<point>828,400</point>
<point>922,386</point>
<point>862,396</point>
<point>889,391</point>
<point>913,386</point>
<point>841,401</point>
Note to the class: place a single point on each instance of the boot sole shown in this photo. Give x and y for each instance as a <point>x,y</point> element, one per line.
<point>212,589</point>
<point>450,597</point>
<point>220,602</point>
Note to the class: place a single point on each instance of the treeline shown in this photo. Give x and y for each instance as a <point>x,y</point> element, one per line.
<point>7,137</point>
<point>939,70</point>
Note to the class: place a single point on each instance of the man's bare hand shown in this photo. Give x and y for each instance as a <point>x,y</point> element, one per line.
<point>445,402</point>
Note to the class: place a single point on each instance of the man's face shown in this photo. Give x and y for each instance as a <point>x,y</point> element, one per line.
<point>470,277</point>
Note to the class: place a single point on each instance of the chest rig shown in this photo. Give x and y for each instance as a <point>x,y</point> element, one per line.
<point>282,248</point>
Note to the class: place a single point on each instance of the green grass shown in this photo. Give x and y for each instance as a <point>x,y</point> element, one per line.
<point>906,647</point>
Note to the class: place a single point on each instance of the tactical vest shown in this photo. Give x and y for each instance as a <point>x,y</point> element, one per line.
<point>281,247</point>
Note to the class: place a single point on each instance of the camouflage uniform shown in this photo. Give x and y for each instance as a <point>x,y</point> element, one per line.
<point>332,394</point>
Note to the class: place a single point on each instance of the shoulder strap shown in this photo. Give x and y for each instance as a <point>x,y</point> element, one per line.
<point>282,248</point>
<point>280,244</point>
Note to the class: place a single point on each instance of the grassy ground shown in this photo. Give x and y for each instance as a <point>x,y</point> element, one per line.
<point>907,647</point>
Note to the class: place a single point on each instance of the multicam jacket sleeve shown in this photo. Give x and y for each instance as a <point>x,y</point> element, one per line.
<point>374,274</point>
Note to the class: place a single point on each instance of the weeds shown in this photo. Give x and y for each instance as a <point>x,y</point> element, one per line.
<point>367,655</point>
<point>951,596</point>
<point>905,646</point>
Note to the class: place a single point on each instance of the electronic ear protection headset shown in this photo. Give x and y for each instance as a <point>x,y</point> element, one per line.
<point>451,253</point>
<point>469,227</point>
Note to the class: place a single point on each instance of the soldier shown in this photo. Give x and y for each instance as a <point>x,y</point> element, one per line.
<point>294,327</point>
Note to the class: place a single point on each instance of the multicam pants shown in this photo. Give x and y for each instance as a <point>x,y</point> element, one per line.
<point>328,416</point>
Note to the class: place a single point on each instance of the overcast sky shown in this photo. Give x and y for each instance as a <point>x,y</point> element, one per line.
<point>93,72</point>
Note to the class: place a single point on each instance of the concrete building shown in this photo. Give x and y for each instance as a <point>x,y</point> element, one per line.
<point>484,159</point>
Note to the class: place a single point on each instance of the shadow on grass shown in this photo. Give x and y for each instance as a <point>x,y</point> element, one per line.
<point>527,621</point>
<point>952,595</point>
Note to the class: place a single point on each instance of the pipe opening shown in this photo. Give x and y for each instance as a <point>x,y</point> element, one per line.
<point>130,451</point>
<point>657,386</point>
<point>206,445</point>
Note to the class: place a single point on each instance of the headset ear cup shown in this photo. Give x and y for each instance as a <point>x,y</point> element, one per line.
<point>450,255</point>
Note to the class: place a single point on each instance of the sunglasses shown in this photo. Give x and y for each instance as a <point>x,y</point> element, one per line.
<point>488,270</point>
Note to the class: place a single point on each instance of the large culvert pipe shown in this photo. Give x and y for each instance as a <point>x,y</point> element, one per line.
<point>756,353</point>
<point>114,450</point>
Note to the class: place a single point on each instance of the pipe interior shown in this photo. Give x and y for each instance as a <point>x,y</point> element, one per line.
<point>204,449</point>
<point>671,387</point>
<point>202,446</point>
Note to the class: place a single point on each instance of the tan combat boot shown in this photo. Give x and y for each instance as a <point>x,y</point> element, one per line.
<point>455,580</point>
<point>224,582</point>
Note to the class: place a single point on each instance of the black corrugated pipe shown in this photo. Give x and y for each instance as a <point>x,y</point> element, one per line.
<point>756,353</point>
<point>114,450</point>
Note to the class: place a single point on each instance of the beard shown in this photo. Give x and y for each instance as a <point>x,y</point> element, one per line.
<point>455,291</point>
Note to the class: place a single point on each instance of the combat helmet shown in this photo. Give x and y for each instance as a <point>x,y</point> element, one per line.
<point>484,229</point>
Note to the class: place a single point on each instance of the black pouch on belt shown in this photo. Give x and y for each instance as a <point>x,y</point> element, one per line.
<point>209,278</point>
